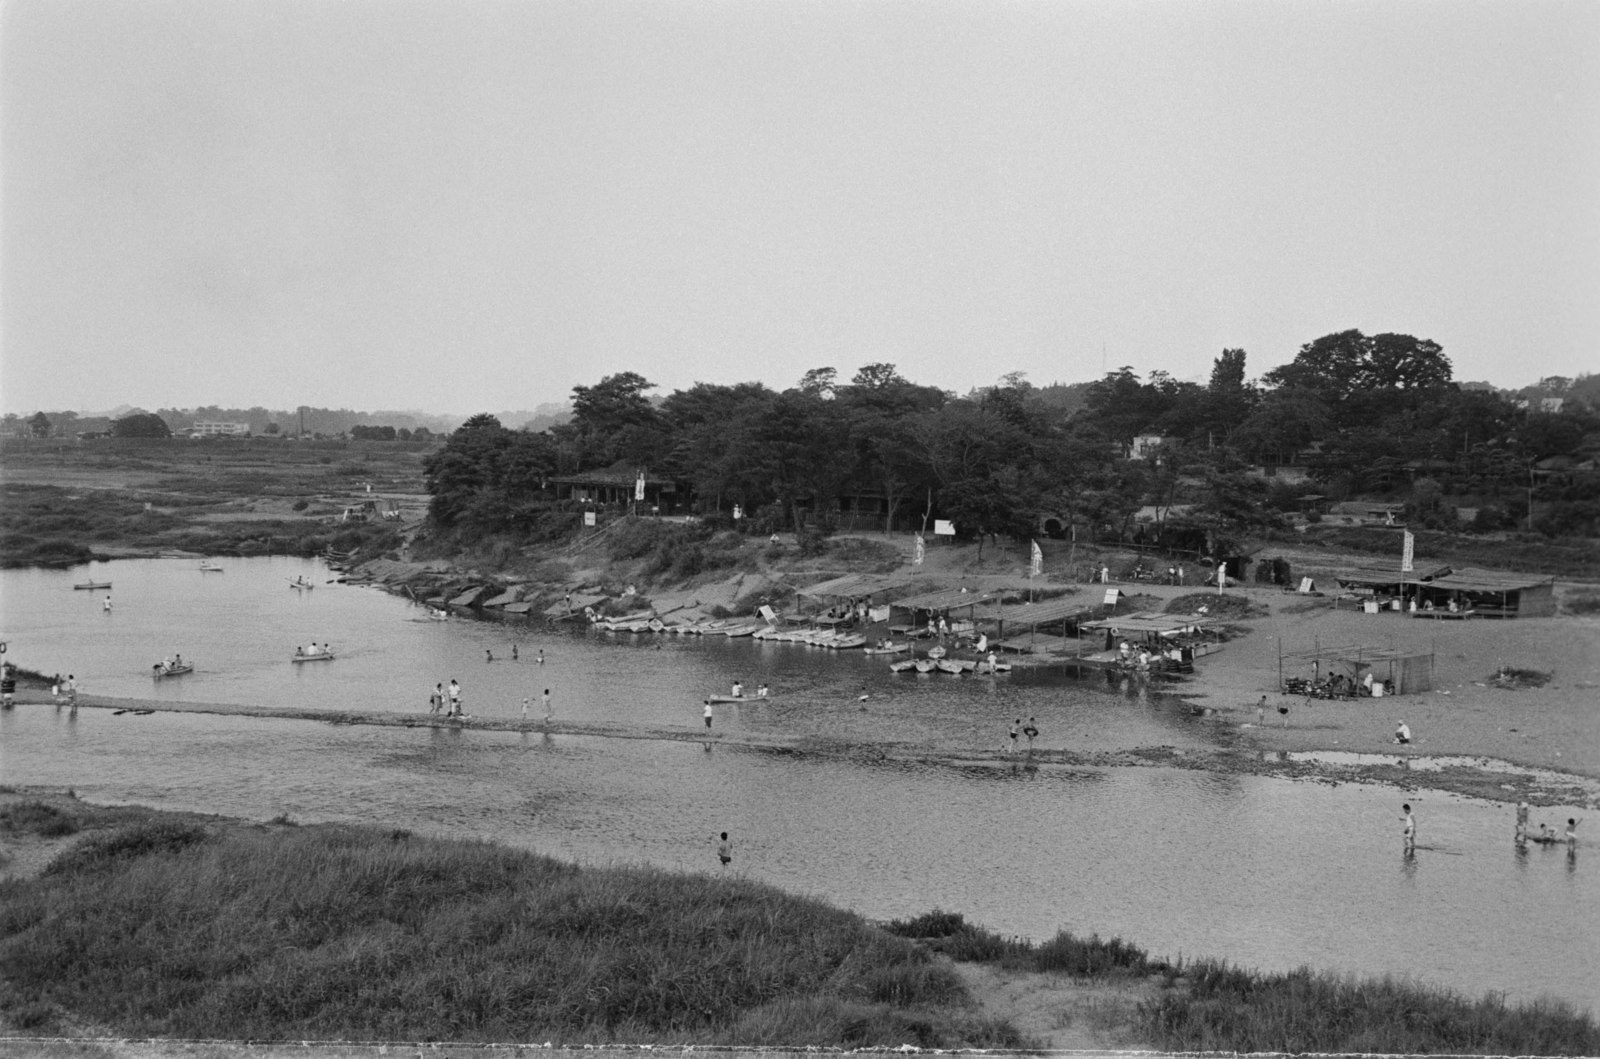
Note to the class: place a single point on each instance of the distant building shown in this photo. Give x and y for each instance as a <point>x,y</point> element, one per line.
<point>1144,446</point>
<point>214,430</point>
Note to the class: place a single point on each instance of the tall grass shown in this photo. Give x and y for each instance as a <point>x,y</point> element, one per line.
<point>170,929</point>
<point>1211,1006</point>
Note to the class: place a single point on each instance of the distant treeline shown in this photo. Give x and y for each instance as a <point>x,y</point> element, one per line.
<point>327,422</point>
<point>1351,415</point>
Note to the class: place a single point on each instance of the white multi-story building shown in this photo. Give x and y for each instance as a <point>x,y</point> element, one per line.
<point>211,430</point>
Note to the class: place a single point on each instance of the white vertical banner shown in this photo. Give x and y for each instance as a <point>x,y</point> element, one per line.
<point>638,487</point>
<point>1409,554</point>
<point>1036,567</point>
<point>920,550</point>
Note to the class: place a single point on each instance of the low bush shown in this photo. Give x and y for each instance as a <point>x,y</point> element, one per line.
<point>38,818</point>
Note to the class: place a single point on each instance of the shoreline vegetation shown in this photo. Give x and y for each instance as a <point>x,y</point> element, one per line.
<point>132,922</point>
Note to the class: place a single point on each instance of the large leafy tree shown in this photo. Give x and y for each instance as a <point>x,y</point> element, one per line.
<point>141,425</point>
<point>881,407</point>
<point>613,420</point>
<point>472,462</point>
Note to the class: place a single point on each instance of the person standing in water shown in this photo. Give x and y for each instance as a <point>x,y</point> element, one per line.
<point>546,705</point>
<point>513,652</point>
<point>1409,827</point>
<point>1522,823</point>
<point>108,604</point>
<point>1572,833</point>
<point>1032,732</point>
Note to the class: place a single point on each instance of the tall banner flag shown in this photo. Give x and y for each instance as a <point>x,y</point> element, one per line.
<point>1409,554</point>
<point>1037,566</point>
<point>920,550</point>
<point>638,487</point>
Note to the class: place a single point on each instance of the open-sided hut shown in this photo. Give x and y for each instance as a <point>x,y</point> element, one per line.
<point>1484,594</point>
<point>1405,672</point>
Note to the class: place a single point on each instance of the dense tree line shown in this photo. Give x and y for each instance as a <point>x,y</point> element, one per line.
<point>1378,415</point>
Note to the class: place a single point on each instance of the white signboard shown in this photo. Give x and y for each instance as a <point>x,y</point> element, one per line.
<point>588,518</point>
<point>1409,554</point>
<point>1111,596</point>
<point>944,527</point>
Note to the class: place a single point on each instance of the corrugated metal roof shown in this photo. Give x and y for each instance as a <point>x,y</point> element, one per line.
<point>1377,575</point>
<point>949,599</point>
<point>1145,621</point>
<point>855,585</point>
<point>1048,612</point>
<point>1469,580</point>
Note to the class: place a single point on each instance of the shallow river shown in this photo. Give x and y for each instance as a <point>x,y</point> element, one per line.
<point>1266,873</point>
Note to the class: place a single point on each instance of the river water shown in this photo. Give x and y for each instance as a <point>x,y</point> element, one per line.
<point>1263,872</point>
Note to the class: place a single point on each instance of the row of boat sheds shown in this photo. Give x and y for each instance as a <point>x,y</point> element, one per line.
<point>1444,593</point>
<point>883,614</point>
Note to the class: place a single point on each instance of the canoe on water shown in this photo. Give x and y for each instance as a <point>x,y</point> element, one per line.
<point>320,656</point>
<point>159,670</point>
<point>712,700</point>
<point>92,585</point>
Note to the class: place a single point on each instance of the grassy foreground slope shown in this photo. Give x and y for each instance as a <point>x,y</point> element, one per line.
<point>156,924</point>
<point>185,929</point>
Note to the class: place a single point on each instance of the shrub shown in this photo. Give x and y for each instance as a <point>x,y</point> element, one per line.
<point>38,818</point>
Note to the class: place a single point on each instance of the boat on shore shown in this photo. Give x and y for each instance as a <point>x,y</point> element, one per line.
<point>903,666</point>
<point>925,665</point>
<point>92,585</point>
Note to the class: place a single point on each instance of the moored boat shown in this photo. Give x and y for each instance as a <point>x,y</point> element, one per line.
<point>945,665</point>
<point>888,649</point>
<point>845,643</point>
<point>93,585</point>
<point>902,666</point>
<point>319,656</point>
<point>207,568</point>
<point>925,665</point>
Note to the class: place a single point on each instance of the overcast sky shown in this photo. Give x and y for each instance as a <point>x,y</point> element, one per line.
<point>458,206</point>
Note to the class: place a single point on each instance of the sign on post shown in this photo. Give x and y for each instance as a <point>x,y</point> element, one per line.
<point>944,527</point>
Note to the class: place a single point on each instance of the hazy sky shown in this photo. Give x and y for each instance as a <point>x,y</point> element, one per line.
<point>457,206</point>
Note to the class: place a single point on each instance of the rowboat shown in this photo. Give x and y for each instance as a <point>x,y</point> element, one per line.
<point>903,665</point>
<point>300,582</point>
<point>947,666</point>
<point>93,585</point>
<point>845,643</point>
<point>925,665</point>
<point>712,700</point>
<point>176,669</point>
<point>320,656</point>
<point>891,649</point>
<point>207,568</point>
<point>994,667</point>
<point>936,653</point>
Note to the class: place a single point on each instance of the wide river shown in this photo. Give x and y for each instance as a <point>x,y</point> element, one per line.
<point>1266,873</point>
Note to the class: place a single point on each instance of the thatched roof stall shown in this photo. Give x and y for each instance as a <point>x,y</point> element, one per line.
<point>1485,594</point>
<point>1407,672</point>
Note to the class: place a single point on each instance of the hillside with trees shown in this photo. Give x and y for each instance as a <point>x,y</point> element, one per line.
<point>1353,417</point>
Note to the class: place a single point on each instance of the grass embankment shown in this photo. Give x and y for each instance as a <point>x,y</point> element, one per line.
<point>1212,1007</point>
<point>186,929</point>
<point>155,924</point>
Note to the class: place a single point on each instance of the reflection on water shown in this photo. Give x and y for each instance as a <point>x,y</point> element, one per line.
<point>1265,873</point>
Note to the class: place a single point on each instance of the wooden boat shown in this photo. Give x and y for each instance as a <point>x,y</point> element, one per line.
<point>320,656</point>
<point>207,568</point>
<point>994,667</point>
<point>177,669</point>
<point>891,649</point>
<point>925,665</point>
<point>740,630</point>
<point>945,665</point>
<point>712,700</point>
<point>902,666</point>
<point>93,585</point>
<point>300,582</point>
<point>936,653</point>
<point>845,643</point>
